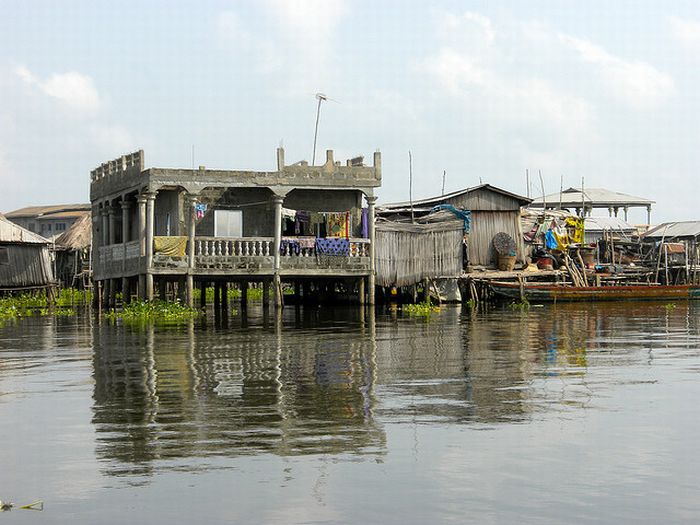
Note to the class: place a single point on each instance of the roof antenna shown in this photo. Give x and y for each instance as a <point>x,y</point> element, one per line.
<point>410,184</point>
<point>444,172</point>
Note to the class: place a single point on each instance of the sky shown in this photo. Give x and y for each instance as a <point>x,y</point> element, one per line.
<point>481,90</point>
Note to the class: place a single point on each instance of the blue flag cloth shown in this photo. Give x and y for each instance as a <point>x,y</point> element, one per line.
<point>465,215</point>
<point>550,240</point>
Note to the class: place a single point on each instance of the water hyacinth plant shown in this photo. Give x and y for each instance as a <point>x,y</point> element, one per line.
<point>154,311</point>
<point>424,309</point>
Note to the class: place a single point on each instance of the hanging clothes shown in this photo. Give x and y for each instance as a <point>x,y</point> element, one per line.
<point>302,222</point>
<point>333,247</point>
<point>550,240</point>
<point>338,224</point>
<point>365,223</point>
<point>575,225</point>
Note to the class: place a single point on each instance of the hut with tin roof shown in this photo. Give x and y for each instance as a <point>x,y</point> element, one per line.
<point>25,263</point>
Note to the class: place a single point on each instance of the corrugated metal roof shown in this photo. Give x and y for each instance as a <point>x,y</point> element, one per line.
<point>38,211</point>
<point>592,197</point>
<point>673,230</point>
<point>595,224</point>
<point>11,232</point>
<point>432,201</point>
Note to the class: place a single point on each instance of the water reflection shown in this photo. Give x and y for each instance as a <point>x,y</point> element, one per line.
<point>163,394</point>
<point>330,381</point>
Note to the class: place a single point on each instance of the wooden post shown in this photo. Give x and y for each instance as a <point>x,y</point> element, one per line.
<point>244,295</point>
<point>361,290</point>
<point>217,297</point>
<point>266,293</point>
<point>224,298</point>
<point>202,294</point>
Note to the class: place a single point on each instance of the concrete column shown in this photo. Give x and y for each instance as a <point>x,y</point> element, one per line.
<point>626,209</point>
<point>125,290</point>
<point>278,200</point>
<point>649,215</point>
<point>126,205</point>
<point>371,201</point>
<point>361,290</point>
<point>141,235</point>
<point>111,214</point>
<point>150,226</point>
<point>105,225</point>
<point>191,219</point>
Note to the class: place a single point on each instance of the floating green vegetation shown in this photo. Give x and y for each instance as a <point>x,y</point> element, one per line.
<point>73,296</point>
<point>471,303</point>
<point>424,309</point>
<point>154,311</point>
<point>520,305</point>
<point>233,293</point>
<point>670,306</point>
<point>26,304</point>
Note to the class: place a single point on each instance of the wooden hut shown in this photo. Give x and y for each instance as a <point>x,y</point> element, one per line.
<point>410,253</point>
<point>493,210</point>
<point>25,263</point>
<point>73,249</point>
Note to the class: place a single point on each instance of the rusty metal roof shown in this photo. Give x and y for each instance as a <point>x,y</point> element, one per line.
<point>592,197</point>
<point>11,232</point>
<point>51,210</point>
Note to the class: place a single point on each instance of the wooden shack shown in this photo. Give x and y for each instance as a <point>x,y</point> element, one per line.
<point>410,253</point>
<point>73,249</point>
<point>25,263</point>
<point>493,210</point>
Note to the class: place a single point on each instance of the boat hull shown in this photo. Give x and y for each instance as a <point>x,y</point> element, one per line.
<point>553,293</point>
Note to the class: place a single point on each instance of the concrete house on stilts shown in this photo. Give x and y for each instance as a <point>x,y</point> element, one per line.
<point>159,231</point>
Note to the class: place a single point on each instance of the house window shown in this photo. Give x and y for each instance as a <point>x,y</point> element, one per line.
<point>4,255</point>
<point>228,223</point>
<point>61,226</point>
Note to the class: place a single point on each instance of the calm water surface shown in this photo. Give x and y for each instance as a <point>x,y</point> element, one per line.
<point>562,414</point>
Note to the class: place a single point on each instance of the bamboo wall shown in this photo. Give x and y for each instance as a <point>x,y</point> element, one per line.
<point>28,266</point>
<point>485,225</point>
<point>408,253</point>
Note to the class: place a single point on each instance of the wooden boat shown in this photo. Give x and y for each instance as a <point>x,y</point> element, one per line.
<point>540,293</point>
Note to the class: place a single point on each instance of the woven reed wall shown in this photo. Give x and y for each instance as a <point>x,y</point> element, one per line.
<point>408,253</point>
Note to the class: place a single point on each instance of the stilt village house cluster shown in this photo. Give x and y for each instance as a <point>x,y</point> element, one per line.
<point>158,226</point>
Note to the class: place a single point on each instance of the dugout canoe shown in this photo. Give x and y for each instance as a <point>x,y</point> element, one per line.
<point>544,293</point>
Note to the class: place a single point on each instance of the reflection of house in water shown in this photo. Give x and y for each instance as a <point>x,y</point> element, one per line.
<point>184,393</point>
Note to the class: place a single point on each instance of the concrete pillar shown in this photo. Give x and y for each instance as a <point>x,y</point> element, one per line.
<point>610,212</point>
<point>125,290</point>
<point>126,205</point>
<point>277,290</point>
<point>616,211</point>
<point>105,225</point>
<point>191,219</point>
<point>649,215</point>
<point>361,290</point>
<point>112,219</point>
<point>150,227</point>
<point>626,209</point>
<point>371,201</point>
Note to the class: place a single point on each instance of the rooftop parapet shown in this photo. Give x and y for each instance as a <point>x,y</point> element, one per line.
<point>124,164</point>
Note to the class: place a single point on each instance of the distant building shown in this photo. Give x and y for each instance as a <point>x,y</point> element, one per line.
<point>49,221</point>
<point>593,199</point>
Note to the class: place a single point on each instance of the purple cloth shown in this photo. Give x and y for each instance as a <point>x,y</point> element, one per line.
<point>365,223</point>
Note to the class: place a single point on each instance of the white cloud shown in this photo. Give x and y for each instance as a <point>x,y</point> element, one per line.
<point>636,83</point>
<point>113,139</point>
<point>686,31</point>
<point>456,70</point>
<point>74,90</point>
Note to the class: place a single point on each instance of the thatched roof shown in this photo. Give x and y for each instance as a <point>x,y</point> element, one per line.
<point>78,236</point>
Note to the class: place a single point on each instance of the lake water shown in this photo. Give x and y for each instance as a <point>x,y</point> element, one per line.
<point>561,414</point>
